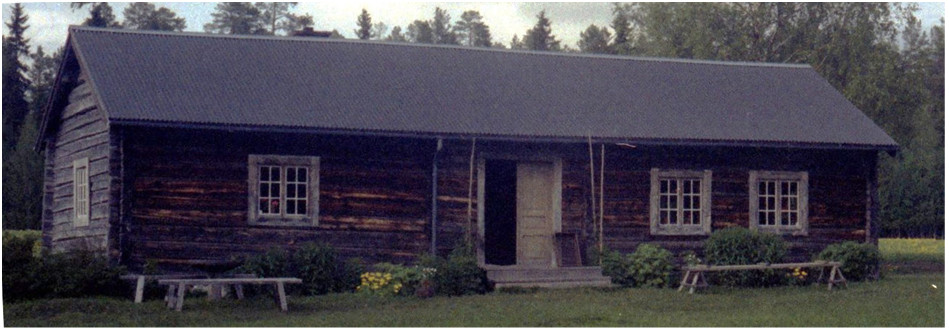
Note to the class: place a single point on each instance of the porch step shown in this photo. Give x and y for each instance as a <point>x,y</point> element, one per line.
<point>504,276</point>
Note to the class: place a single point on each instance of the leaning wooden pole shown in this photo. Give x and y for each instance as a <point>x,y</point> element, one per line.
<point>470,190</point>
<point>602,180</point>
<point>592,183</point>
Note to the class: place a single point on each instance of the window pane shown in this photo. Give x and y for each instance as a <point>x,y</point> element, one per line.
<point>792,188</point>
<point>673,186</point>
<point>696,202</point>
<point>663,186</point>
<point>264,173</point>
<point>274,173</point>
<point>664,202</point>
<point>687,203</point>
<point>263,206</point>
<point>792,218</point>
<point>291,191</point>
<point>301,191</point>
<point>291,208</point>
<point>291,174</point>
<point>301,174</point>
<point>264,190</point>
<point>673,218</point>
<point>301,206</point>
<point>673,203</point>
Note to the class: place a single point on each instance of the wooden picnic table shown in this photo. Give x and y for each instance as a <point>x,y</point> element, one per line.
<point>175,296</point>
<point>695,275</point>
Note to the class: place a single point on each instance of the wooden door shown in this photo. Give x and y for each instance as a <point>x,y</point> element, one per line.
<point>535,213</point>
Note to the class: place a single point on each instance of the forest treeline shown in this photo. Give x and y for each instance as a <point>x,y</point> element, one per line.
<point>877,54</point>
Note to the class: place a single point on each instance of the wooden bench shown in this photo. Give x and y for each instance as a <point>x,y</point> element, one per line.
<point>695,275</point>
<point>175,296</point>
<point>140,281</point>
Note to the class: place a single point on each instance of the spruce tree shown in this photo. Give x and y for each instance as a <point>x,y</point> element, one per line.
<point>15,83</point>
<point>540,37</point>
<point>364,24</point>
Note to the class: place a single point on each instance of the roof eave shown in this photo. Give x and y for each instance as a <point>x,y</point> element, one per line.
<point>518,138</point>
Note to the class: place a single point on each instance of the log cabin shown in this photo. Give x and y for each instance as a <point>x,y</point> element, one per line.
<point>184,149</point>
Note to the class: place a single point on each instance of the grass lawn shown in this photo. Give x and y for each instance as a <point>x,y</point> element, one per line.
<point>910,294</point>
<point>905,250</point>
<point>897,300</point>
<point>912,255</point>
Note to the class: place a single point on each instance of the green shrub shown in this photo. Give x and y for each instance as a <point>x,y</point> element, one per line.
<point>459,274</point>
<point>348,275</point>
<point>858,261</point>
<point>649,265</point>
<point>317,264</point>
<point>734,246</point>
<point>80,273</point>
<point>617,266</point>
<point>275,262</point>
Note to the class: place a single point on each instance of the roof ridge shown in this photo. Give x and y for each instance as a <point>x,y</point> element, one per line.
<point>455,47</point>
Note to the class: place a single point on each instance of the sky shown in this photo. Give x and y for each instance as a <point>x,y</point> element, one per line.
<point>49,20</point>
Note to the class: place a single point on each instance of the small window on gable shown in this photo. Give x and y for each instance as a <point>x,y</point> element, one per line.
<point>283,190</point>
<point>80,184</point>
<point>778,201</point>
<point>680,202</point>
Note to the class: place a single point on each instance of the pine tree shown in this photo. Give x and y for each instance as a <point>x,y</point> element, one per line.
<point>540,37</point>
<point>622,29</point>
<point>441,28</point>
<point>144,16</point>
<point>396,35</point>
<point>420,32</point>
<point>100,14</point>
<point>296,22</point>
<point>378,31</point>
<point>235,18</point>
<point>364,24</point>
<point>516,43</point>
<point>15,83</point>
<point>274,16</point>
<point>595,40</point>
<point>472,31</point>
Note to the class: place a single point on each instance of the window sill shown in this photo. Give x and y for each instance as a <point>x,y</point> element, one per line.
<point>796,232</point>
<point>284,221</point>
<point>678,231</point>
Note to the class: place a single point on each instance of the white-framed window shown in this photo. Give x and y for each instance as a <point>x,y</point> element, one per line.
<point>80,185</point>
<point>680,202</point>
<point>283,190</point>
<point>778,201</point>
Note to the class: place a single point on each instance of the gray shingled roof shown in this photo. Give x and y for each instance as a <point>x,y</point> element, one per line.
<point>276,82</point>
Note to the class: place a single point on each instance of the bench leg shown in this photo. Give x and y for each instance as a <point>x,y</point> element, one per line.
<point>180,298</point>
<point>695,281</point>
<point>215,292</point>
<point>281,296</point>
<point>239,289</point>
<point>170,296</point>
<point>685,280</point>
<point>139,289</point>
<point>836,276</point>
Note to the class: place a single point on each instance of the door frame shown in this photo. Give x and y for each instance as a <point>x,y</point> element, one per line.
<point>556,194</point>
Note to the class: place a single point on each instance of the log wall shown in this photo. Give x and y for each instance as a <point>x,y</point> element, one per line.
<point>83,133</point>
<point>188,196</point>
<point>187,193</point>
